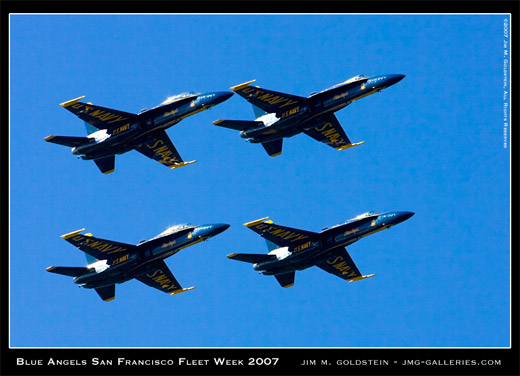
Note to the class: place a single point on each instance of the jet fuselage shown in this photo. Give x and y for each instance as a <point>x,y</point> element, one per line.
<point>127,135</point>
<point>123,268</point>
<point>308,254</point>
<point>293,120</point>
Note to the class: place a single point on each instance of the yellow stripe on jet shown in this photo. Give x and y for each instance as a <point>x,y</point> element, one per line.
<point>180,164</point>
<point>71,102</point>
<point>253,223</point>
<point>71,234</point>
<point>350,146</point>
<point>241,86</point>
<point>181,290</point>
<point>360,278</point>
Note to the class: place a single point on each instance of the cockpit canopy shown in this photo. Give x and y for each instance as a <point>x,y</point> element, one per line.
<point>350,80</point>
<point>364,215</point>
<point>175,98</point>
<point>355,78</point>
<point>175,228</point>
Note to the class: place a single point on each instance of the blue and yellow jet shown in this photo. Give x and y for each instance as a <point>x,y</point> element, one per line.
<point>293,249</point>
<point>112,132</point>
<point>281,115</point>
<point>112,262</point>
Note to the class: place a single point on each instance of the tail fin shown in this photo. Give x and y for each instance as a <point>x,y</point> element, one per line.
<point>258,111</point>
<point>250,257</point>
<point>70,271</point>
<point>107,293</point>
<point>273,148</point>
<point>106,164</point>
<point>68,140</point>
<point>238,125</point>
<point>285,280</point>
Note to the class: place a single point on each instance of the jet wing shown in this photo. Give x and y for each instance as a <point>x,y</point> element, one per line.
<point>280,235</point>
<point>268,100</point>
<point>328,130</point>
<point>162,150</point>
<point>99,248</point>
<point>99,117</point>
<point>160,277</point>
<point>341,264</point>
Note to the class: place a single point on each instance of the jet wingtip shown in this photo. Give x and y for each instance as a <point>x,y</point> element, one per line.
<point>181,164</point>
<point>344,147</point>
<point>253,223</point>
<point>241,86</point>
<point>71,102</point>
<point>360,278</point>
<point>71,234</point>
<point>181,290</point>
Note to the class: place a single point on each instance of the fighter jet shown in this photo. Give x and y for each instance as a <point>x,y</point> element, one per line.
<point>292,249</point>
<point>112,262</point>
<point>281,115</point>
<point>112,132</point>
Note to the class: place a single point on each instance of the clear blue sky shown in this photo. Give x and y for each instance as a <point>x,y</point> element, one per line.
<point>434,145</point>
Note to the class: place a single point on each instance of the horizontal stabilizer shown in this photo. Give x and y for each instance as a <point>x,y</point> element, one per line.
<point>251,257</point>
<point>238,125</point>
<point>70,271</point>
<point>68,140</point>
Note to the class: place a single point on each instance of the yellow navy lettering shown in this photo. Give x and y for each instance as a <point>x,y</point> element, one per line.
<point>121,259</point>
<point>281,233</point>
<point>102,115</point>
<point>330,133</point>
<point>302,247</point>
<point>97,244</point>
<point>290,112</point>
<point>268,97</point>
<point>162,280</point>
<point>121,129</point>
<point>166,154</point>
<point>340,265</point>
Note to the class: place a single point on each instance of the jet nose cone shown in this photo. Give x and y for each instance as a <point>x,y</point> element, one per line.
<point>218,228</point>
<point>404,215</point>
<point>395,78</point>
<point>221,96</point>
